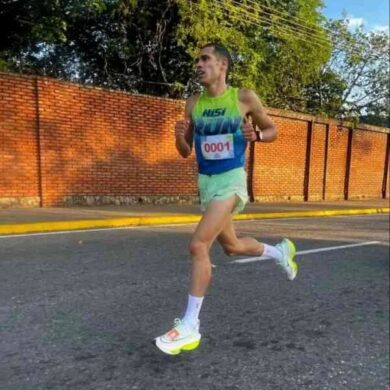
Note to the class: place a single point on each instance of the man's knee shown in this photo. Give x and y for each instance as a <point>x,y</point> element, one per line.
<point>198,247</point>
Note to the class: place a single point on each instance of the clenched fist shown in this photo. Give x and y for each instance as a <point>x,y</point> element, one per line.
<point>181,128</point>
<point>248,131</point>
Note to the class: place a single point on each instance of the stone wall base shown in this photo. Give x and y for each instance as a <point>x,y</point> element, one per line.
<point>260,199</point>
<point>25,201</point>
<point>98,200</point>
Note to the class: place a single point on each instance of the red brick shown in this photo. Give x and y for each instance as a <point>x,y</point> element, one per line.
<point>101,142</point>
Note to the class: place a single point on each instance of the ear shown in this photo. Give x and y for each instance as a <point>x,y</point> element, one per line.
<point>225,62</point>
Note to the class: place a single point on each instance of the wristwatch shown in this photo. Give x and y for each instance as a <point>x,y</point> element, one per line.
<point>259,136</point>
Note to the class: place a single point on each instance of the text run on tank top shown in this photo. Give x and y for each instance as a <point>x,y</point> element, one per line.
<point>219,142</point>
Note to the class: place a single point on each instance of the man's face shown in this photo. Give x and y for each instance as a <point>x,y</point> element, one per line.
<point>210,67</point>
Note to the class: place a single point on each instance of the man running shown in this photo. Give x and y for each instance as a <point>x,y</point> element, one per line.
<point>221,121</point>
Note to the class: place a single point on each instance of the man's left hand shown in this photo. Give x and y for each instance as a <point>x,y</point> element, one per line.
<point>248,131</point>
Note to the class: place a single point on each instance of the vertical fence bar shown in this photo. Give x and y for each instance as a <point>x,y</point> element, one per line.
<point>348,164</point>
<point>325,162</point>
<point>306,182</point>
<point>38,140</point>
<point>386,167</point>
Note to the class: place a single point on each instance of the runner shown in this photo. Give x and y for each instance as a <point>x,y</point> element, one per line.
<point>221,121</point>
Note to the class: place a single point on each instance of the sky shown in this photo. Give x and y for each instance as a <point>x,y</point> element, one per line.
<point>374,14</point>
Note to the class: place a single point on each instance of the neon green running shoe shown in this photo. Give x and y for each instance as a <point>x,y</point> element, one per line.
<point>287,263</point>
<point>180,338</point>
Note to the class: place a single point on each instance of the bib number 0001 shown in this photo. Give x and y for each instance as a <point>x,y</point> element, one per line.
<point>217,147</point>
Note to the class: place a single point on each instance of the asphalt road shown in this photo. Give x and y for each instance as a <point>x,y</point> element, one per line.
<point>79,310</point>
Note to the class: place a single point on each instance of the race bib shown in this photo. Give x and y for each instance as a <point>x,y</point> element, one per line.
<point>217,147</point>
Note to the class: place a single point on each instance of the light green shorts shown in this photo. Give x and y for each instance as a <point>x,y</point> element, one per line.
<point>223,186</point>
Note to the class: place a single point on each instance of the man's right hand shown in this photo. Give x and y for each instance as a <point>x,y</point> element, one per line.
<point>181,128</point>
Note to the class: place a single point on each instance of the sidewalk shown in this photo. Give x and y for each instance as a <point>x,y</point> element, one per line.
<point>29,220</point>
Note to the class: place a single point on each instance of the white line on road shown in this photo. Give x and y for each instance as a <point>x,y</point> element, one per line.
<point>329,248</point>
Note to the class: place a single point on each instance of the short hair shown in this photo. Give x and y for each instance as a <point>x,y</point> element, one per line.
<point>221,51</point>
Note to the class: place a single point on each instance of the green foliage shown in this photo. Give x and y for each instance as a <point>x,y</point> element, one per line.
<point>283,49</point>
<point>354,83</point>
<point>272,60</point>
<point>3,65</point>
<point>324,95</point>
<point>206,22</point>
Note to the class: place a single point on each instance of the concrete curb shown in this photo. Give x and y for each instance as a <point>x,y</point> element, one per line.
<point>34,227</point>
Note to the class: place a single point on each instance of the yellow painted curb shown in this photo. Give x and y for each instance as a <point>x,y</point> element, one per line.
<point>312,213</point>
<point>168,220</point>
<point>96,223</point>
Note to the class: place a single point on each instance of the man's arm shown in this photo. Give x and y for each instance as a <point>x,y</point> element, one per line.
<point>268,131</point>
<point>184,129</point>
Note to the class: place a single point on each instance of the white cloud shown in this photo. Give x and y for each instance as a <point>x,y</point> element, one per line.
<point>378,28</point>
<point>355,22</point>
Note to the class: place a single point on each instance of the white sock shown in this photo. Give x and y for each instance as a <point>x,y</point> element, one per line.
<point>273,252</point>
<point>191,315</point>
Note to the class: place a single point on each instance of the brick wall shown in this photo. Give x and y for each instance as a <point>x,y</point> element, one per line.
<point>317,167</point>
<point>62,143</point>
<point>366,177</point>
<point>96,142</point>
<point>19,168</point>
<point>336,166</point>
<point>279,167</point>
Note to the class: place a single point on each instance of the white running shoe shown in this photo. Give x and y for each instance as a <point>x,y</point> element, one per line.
<point>180,338</point>
<point>288,263</point>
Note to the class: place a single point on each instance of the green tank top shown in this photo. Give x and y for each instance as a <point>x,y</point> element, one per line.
<point>219,143</point>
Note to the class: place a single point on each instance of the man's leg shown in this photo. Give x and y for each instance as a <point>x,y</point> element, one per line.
<point>185,335</point>
<point>283,253</point>
<point>213,221</point>
<point>232,245</point>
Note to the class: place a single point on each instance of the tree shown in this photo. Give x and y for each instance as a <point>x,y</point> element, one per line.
<point>274,53</point>
<point>126,44</point>
<point>130,46</point>
<point>149,46</point>
<point>31,30</point>
<point>324,96</point>
<point>354,83</point>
